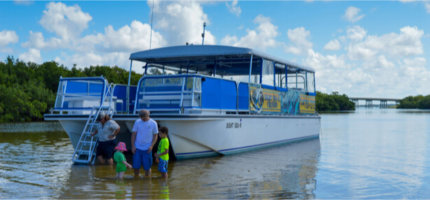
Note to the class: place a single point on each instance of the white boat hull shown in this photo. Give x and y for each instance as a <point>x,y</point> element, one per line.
<point>192,137</point>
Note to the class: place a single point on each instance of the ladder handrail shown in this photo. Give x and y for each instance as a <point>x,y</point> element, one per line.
<point>89,125</point>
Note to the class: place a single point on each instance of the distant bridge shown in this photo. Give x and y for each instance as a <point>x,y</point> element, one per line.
<point>383,102</point>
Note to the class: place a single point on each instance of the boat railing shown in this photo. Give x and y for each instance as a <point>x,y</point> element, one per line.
<point>81,95</point>
<point>169,94</point>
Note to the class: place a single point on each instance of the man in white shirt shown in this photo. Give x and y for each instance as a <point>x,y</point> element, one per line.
<point>143,138</point>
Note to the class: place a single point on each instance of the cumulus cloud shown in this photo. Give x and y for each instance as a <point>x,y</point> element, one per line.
<point>299,38</point>
<point>352,14</point>
<point>65,21</point>
<point>234,8</point>
<point>379,62</point>
<point>131,38</point>
<point>332,45</point>
<point>356,33</point>
<point>264,36</point>
<point>112,47</point>
<point>7,37</point>
<point>406,43</point>
<point>33,55</point>
<point>181,22</point>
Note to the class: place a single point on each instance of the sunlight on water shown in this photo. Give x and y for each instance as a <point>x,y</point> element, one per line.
<point>366,154</point>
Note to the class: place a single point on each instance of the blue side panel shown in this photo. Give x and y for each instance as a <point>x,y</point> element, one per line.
<point>76,87</point>
<point>121,93</point>
<point>243,96</point>
<point>211,96</point>
<point>218,94</point>
<point>228,94</point>
<point>96,87</point>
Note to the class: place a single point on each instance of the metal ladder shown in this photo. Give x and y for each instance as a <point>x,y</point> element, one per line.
<point>85,150</point>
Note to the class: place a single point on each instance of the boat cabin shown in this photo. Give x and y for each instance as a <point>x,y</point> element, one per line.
<point>222,80</point>
<point>197,79</point>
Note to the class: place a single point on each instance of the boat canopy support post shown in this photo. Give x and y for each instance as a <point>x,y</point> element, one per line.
<point>128,88</point>
<point>250,69</point>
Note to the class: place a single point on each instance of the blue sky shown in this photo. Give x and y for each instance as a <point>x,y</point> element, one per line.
<point>360,48</point>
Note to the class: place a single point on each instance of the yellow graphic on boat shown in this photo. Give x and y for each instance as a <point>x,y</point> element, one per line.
<point>307,104</point>
<point>264,100</point>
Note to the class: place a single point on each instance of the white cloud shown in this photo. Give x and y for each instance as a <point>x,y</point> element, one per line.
<point>234,8</point>
<point>299,38</point>
<point>131,38</point>
<point>112,47</point>
<point>261,38</point>
<point>352,14</point>
<point>356,33</point>
<point>406,43</point>
<point>181,21</point>
<point>65,21</point>
<point>7,37</point>
<point>38,41</point>
<point>390,64</point>
<point>33,55</point>
<point>332,45</point>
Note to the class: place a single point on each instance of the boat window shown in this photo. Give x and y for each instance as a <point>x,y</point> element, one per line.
<point>296,79</point>
<point>310,82</point>
<point>280,81</point>
<point>268,73</point>
<point>255,73</point>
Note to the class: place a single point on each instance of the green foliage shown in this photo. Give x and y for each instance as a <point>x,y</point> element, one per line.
<point>422,102</point>
<point>333,102</point>
<point>27,90</point>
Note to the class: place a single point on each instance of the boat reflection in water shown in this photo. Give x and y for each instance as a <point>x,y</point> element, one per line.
<point>279,172</point>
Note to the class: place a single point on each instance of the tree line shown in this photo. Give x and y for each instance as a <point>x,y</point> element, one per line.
<point>420,101</point>
<point>28,90</point>
<point>333,102</point>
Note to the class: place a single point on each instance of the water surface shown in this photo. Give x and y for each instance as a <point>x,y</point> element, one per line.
<point>370,153</point>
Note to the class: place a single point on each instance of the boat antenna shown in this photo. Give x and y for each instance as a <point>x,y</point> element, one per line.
<point>203,34</point>
<point>152,16</point>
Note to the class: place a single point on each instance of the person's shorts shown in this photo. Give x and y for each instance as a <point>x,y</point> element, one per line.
<point>142,158</point>
<point>162,165</point>
<point>106,149</point>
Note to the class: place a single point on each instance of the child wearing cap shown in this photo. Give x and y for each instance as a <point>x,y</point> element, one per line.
<point>121,162</point>
<point>162,155</point>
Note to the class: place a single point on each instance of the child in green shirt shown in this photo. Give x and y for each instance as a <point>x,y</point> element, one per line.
<point>121,162</point>
<point>162,155</point>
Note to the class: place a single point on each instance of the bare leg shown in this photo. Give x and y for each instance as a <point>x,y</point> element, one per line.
<point>136,172</point>
<point>164,175</point>
<point>148,172</point>
<point>110,161</point>
<point>120,175</point>
<point>101,159</point>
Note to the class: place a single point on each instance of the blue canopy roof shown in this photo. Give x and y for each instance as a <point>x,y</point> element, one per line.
<point>203,52</point>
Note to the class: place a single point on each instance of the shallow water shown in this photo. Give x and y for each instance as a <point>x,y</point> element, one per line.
<point>370,153</point>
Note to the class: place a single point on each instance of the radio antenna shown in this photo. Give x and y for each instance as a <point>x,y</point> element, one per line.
<point>152,16</point>
<point>203,34</point>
